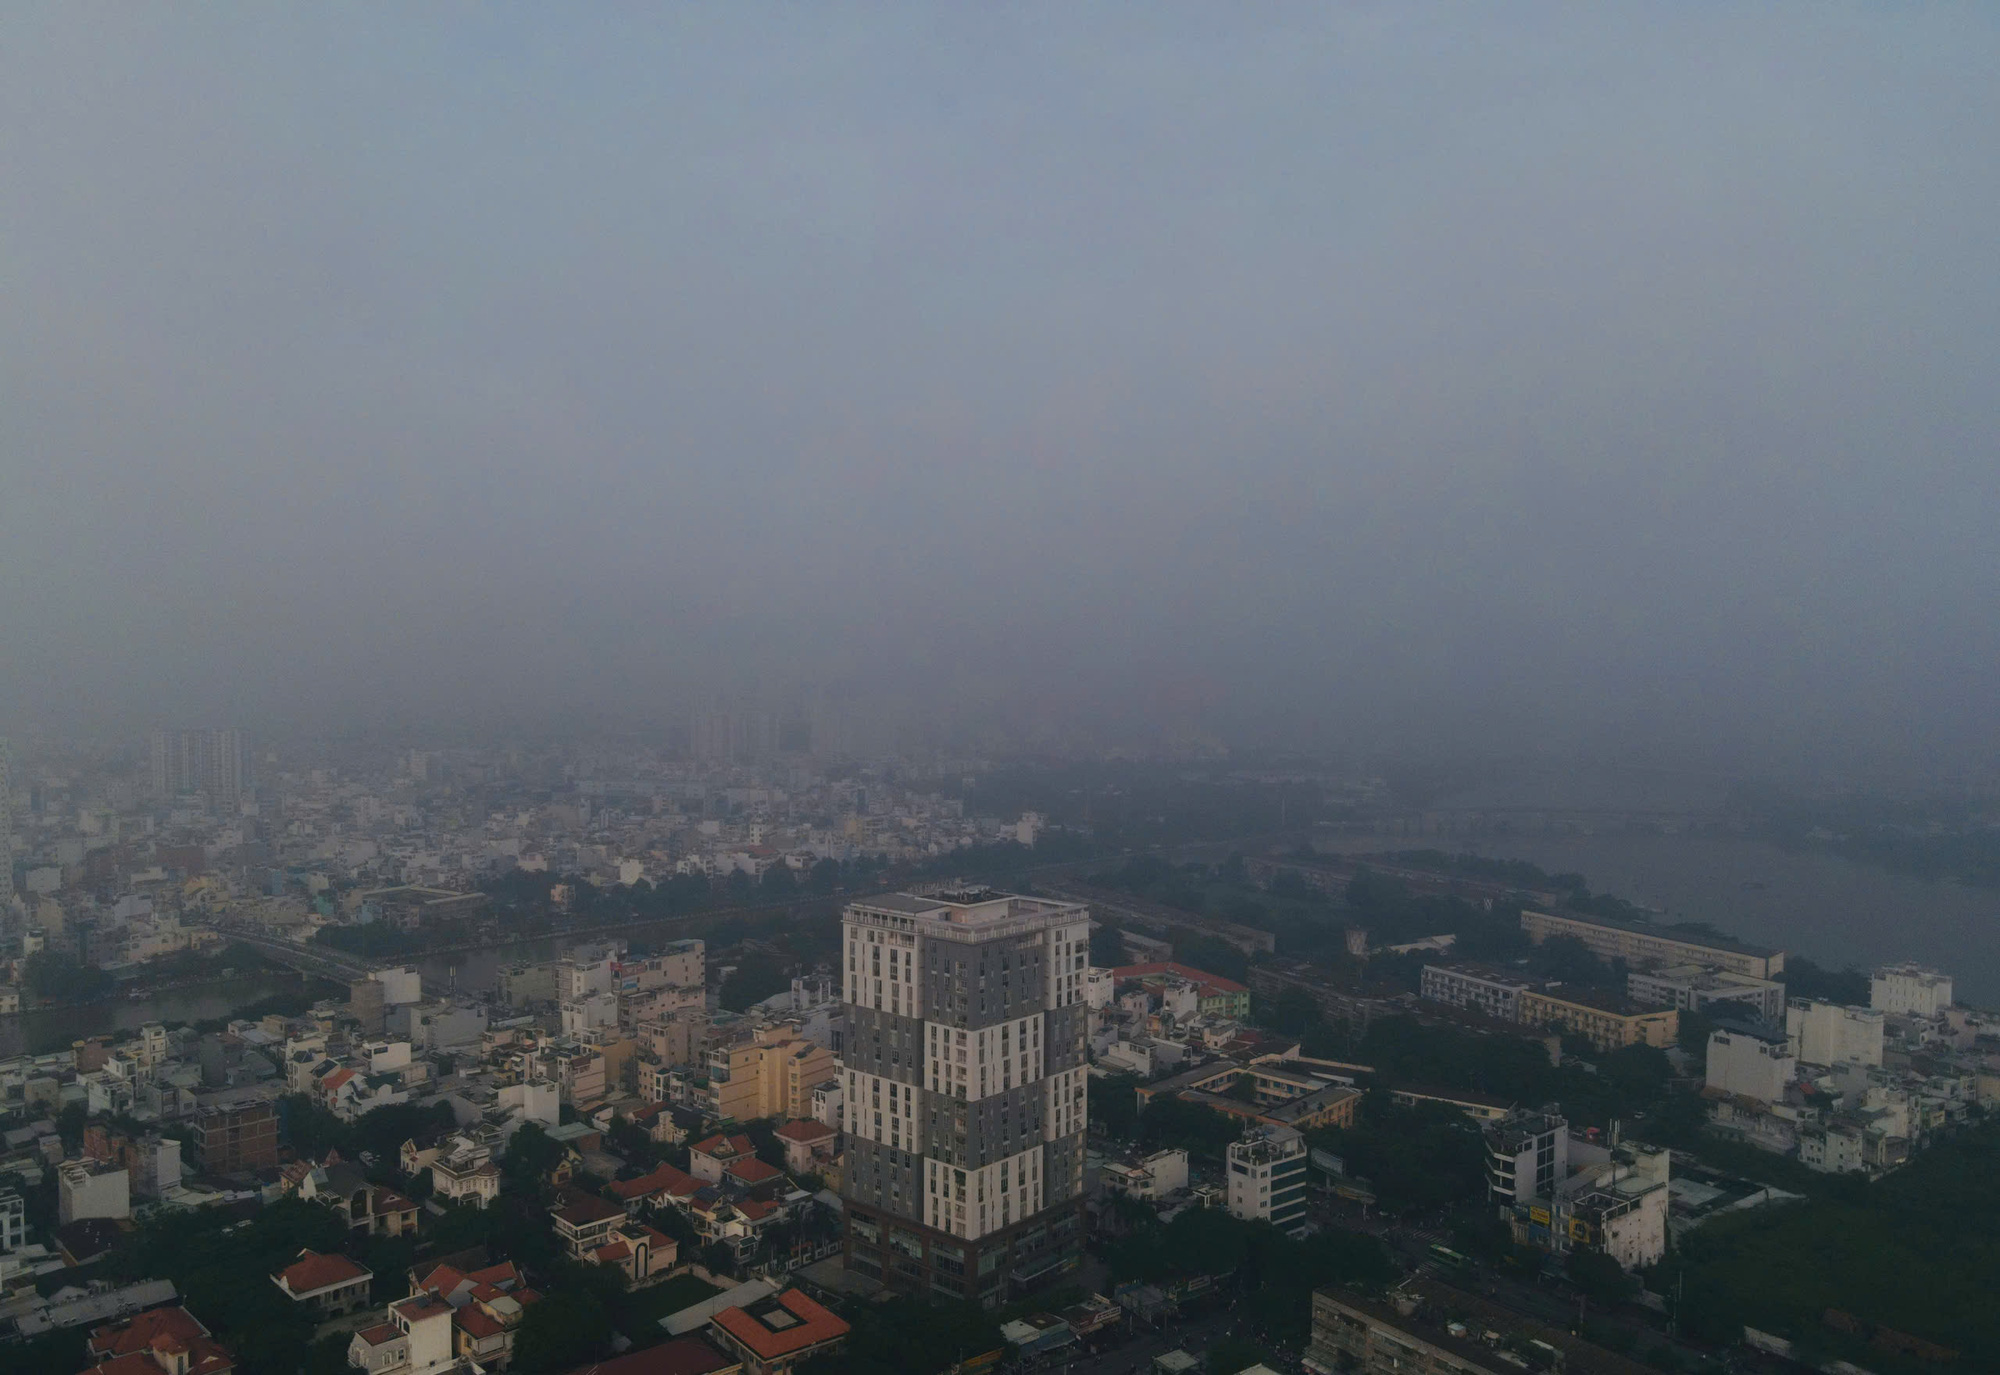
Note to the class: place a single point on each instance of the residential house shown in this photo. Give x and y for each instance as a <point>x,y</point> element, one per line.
<point>160,1341</point>
<point>377,1210</point>
<point>663,1184</point>
<point>776,1333</point>
<point>487,1307</point>
<point>416,1340</point>
<point>809,1145</point>
<point>710,1158</point>
<point>598,1232</point>
<point>464,1171</point>
<point>328,1285</point>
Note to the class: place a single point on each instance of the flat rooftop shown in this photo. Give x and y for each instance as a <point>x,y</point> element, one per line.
<point>1706,940</point>
<point>966,909</point>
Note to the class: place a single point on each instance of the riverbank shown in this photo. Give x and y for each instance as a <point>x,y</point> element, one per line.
<point>37,1031</point>
<point>1834,911</point>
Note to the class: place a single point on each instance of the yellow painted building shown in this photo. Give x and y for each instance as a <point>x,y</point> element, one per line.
<point>1645,945</point>
<point>1605,1023</point>
<point>772,1074</point>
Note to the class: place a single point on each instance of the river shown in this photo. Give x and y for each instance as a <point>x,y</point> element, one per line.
<point>1831,910</point>
<point>37,1032</point>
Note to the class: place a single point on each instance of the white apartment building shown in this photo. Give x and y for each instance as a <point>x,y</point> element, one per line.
<point>1829,1034</point>
<point>1267,1178</point>
<point>1747,1065</point>
<point>579,976</point>
<point>1909,990</point>
<point>87,1192</point>
<point>1098,984</point>
<point>1159,1174</point>
<point>13,1221</point>
<point>1485,991</point>
<point>1616,1203</point>
<point>1694,988</point>
<point>402,985</point>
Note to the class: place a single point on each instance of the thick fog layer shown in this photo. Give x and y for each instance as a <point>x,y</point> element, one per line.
<point>1515,377</point>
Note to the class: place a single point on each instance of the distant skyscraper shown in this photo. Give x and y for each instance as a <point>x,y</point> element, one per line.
<point>965,1090</point>
<point>6,829</point>
<point>204,761</point>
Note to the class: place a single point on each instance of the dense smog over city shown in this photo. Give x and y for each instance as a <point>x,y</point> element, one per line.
<point>939,690</point>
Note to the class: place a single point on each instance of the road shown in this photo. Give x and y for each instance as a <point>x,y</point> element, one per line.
<point>1136,1353</point>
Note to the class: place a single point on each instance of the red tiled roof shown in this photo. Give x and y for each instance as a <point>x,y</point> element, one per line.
<point>336,1079</point>
<point>724,1147</point>
<point>681,1356</point>
<point>1207,980</point>
<point>813,1325</point>
<point>312,1271</point>
<point>617,1250</point>
<point>208,1357</point>
<point>753,1172</point>
<point>477,1322</point>
<point>805,1131</point>
<point>756,1210</point>
<point>131,1363</point>
<point>580,1209</point>
<point>389,1201</point>
<point>662,1178</point>
<point>442,1279</point>
<point>381,1334</point>
<point>503,1274</point>
<point>421,1306</point>
<point>165,1329</point>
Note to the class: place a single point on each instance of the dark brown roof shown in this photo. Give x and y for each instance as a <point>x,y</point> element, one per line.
<point>682,1356</point>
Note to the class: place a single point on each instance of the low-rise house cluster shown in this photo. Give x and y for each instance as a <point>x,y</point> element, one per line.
<point>1853,1090</point>
<point>1561,1192</point>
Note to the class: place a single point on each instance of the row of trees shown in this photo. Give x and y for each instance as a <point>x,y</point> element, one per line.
<point>1274,1273</point>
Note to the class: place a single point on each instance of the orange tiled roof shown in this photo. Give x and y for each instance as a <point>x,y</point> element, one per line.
<point>662,1178</point>
<point>422,1306</point>
<point>131,1363</point>
<point>161,1329</point>
<point>725,1146</point>
<point>477,1322</point>
<point>813,1325</point>
<point>313,1271</point>
<point>805,1131</point>
<point>753,1172</point>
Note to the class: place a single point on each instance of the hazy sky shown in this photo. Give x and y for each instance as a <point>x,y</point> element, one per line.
<point>1528,376</point>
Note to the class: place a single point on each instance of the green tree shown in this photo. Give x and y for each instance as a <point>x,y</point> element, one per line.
<point>1114,1106</point>
<point>567,1329</point>
<point>1599,1277</point>
<point>1209,954</point>
<point>531,1153</point>
<point>52,974</point>
<point>70,1123</point>
<point>1231,1355</point>
<point>1293,1012</point>
<point>757,976</point>
<point>1107,947</point>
